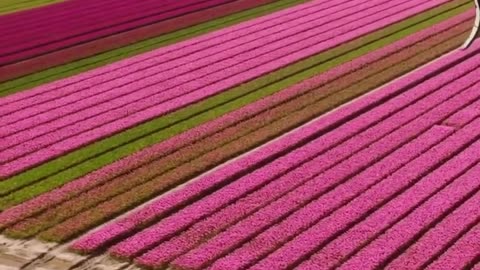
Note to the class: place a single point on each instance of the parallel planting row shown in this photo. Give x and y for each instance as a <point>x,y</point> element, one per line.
<point>100,59</point>
<point>279,113</point>
<point>53,174</point>
<point>395,171</point>
<point>52,120</point>
<point>64,32</point>
<point>178,159</point>
<point>11,6</point>
<point>41,32</point>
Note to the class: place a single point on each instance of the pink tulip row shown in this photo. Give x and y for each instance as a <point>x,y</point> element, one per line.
<point>140,85</point>
<point>137,160</point>
<point>421,218</point>
<point>167,55</point>
<point>311,213</point>
<point>86,10</point>
<point>165,252</point>
<point>45,112</point>
<point>317,162</point>
<point>250,203</point>
<point>440,235</point>
<point>309,238</point>
<point>24,154</point>
<point>57,89</point>
<point>462,253</point>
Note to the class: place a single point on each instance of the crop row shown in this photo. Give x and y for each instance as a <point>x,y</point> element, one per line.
<point>7,6</point>
<point>169,91</point>
<point>60,171</point>
<point>218,50</point>
<point>125,38</point>
<point>233,150</point>
<point>316,164</point>
<point>41,33</point>
<point>380,178</point>
<point>295,106</point>
<point>101,59</point>
<point>46,93</point>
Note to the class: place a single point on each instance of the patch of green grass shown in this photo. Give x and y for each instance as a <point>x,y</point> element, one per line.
<point>75,164</point>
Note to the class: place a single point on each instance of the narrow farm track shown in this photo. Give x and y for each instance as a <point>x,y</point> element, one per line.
<point>240,134</point>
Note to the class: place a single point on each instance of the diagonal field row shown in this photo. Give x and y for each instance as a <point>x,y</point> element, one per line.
<point>176,18</point>
<point>130,100</point>
<point>136,60</point>
<point>54,174</point>
<point>463,19</point>
<point>41,24</point>
<point>228,143</point>
<point>41,33</point>
<point>126,50</point>
<point>210,145</point>
<point>10,6</point>
<point>391,171</point>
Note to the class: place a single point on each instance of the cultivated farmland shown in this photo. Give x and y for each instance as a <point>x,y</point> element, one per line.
<point>240,135</point>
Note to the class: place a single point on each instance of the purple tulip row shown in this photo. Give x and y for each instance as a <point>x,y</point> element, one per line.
<point>131,86</point>
<point>68,24</point>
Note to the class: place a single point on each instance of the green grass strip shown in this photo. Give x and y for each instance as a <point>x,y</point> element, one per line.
<point>101,153</point>
<point>76,67</point>
<point>14,6</point>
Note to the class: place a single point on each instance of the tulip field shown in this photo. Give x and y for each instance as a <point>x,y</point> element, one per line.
<point>239,134</point>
